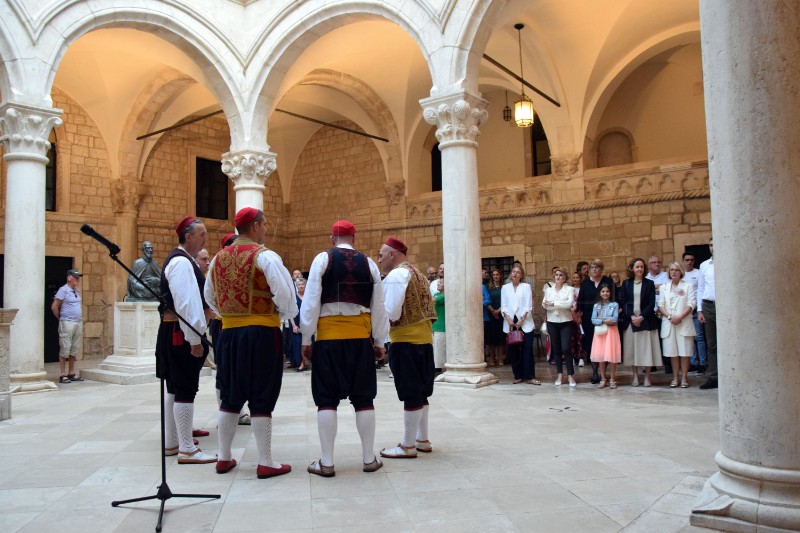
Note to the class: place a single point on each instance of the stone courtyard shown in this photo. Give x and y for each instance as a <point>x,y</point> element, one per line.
<point>506,458</point>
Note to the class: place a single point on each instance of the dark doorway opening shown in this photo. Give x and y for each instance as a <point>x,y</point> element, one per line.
<point>55,275</point>
<point>701,252</point>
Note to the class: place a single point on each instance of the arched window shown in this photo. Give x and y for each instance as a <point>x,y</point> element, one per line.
<point>436,168</point>
<point>540,149</point>
<point>50,175</point>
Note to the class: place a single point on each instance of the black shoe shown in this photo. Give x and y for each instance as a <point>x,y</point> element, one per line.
<point>595,379</point>
<point>712,383</point>
<point>667,370</point>
<point>701,370</point>
<point>692,368</point>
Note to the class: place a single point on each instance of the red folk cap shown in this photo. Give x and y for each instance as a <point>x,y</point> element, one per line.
<point>397,244</point>
<point>245,215</point>
<point>183,224</point>
<point>227,240</point>
<point>343,227</point>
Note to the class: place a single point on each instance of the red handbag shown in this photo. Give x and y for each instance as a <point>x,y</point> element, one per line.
<point>515,337</point>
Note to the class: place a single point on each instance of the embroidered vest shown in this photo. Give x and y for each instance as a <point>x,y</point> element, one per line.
<point>418,304</point>
<point>347,278</point>
<point>165,292</point>
<point>240,287</point>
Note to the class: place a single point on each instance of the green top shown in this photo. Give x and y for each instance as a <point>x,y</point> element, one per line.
<point>438,304</point>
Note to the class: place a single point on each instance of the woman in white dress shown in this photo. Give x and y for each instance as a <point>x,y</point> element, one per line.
<point>676,305</point>
<point>637,300</point>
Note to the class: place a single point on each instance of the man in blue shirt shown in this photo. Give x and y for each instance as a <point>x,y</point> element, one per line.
<point>67,309</point>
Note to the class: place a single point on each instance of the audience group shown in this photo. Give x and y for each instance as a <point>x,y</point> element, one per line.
<point>647,319</point>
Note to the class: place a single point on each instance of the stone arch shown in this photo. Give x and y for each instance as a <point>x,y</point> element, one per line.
<point>615,146</point>
<point>597,101</point>
<point>603,191</point>
<point>668,183</point>
<point>623,189</point>
<point>644,186</point>
<point>279,45</point>
<point>161,90</point>
<point>173,22</point>
<point>8,51</point>
<point>374,106</point>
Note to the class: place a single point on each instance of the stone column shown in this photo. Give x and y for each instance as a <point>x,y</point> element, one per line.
<point>25,133</point>
<point>6,318</point>
<point>457,117</point>
<point>751,65</point>
<point>126,197</point>
<point>249,170</point>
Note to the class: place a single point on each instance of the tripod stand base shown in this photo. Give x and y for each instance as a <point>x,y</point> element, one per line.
<point>164,493</point>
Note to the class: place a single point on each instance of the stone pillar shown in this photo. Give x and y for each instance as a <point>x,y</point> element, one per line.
<point>751,65</point>
<point>126,197</point>
<point>6,318</point>
<point>249,170</point>
<point>25,133</point>
<point>457,117</point>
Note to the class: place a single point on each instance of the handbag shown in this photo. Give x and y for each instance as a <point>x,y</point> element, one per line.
<point>515,337</point>
<point>543,329</point>
<point>602,329</point>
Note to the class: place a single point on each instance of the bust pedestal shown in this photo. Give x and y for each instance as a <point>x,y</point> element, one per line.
<point>6,318</point>
<point>134,357</point>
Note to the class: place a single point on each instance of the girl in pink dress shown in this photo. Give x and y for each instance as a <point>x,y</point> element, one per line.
<point>606,347</point>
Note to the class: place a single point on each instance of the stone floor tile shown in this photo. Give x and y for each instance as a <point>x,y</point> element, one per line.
<point>11,522</point>
<point>428,480</point>
<point>198,517</point>
<point>444,505</point>
<point>656,521</point>
<point>30,500</point>
<point>266,516</point>
<point>474,524</point>
<point>579,520</point>
<point>90,519</point>
<point>354,510</point>
<point>287,487</point>
<point>357,483</point>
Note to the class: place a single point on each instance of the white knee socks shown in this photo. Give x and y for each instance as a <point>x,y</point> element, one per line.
<point>170,431</point>
<point>327,422</point>
<point>226,424</point>
<point>365,422</point>
<point>410,425</point>
<point>422,431</point>
<point>262,431</point>
<point>184,415</point>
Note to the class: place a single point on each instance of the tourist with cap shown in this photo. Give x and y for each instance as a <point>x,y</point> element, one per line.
<point>251,290</point>
<point>343,306</point>
<point>409,306</point>
<point>67,309</point>
<point>180,353</point>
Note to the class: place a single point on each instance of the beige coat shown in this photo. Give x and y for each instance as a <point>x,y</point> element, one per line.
<point>674,303</point>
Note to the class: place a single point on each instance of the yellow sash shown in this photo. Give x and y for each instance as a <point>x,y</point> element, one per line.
<point>240,321</point>
<point>419,333</point>
<point>338,327</point>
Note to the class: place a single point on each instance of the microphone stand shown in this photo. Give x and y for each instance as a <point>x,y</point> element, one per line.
<point>164,493</point>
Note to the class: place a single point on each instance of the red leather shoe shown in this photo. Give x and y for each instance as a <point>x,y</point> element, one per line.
<point>263,472</point>
<point>223,467</point>
<point>200,433</point>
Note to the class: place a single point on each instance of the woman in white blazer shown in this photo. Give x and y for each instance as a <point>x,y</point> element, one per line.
<point>676,305</point>
<point>516,305</point>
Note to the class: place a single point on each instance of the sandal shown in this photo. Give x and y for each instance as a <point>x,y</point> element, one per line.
<point>74,377</point>
<point>602,384</point>
<point>64,379</point>
<point>674,383</point>
<point>684,384</point>
<point>612,384</point>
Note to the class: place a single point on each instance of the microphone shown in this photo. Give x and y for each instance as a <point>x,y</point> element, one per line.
<point>113,249</point>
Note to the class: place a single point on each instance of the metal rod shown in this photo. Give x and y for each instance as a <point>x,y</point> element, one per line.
<point>513,75</point>
<point>333,125</point>
<point>178,125</point>
<point>196,119</point>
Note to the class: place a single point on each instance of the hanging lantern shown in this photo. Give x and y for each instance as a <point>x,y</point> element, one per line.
<point>523,107</point>
<point>507,110</point>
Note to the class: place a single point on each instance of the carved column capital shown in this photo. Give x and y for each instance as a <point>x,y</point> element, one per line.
<point>456,117</point>
<point>26,130</point>
<point>127,196</point>
<point>248,168</point>
<point>566,166</point>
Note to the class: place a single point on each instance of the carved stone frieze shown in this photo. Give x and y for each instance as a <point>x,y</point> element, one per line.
<point>566,166</point>
<point>126,196</point>
<point>632,185</point>
<point>249,167</point>
<point>26,129</point>
<point>395,191</point>
<point>456,117</point>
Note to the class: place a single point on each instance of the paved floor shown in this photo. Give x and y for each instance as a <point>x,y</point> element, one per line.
<point>506,458</point>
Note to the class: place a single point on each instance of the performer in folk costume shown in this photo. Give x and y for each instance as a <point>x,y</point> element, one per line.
<point>251,290</point>
<point>179,352</point>
<point>409,306</point>
<point>343,305</point>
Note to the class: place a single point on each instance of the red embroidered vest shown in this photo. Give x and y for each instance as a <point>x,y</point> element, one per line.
<point>241,288</point>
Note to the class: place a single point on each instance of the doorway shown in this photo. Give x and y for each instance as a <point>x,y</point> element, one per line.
<point>55,275</point>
